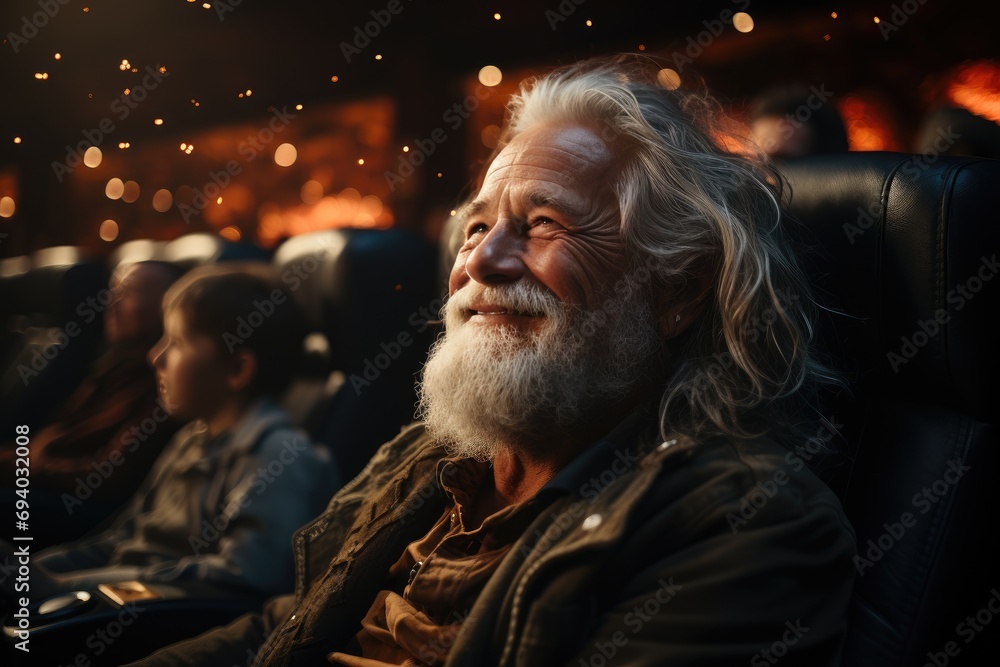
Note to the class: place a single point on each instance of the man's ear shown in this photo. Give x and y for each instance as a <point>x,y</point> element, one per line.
<point>677,309</point>
<point>243,369</point>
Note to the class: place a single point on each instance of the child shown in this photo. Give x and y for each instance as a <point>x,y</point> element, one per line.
<point>223,500</point>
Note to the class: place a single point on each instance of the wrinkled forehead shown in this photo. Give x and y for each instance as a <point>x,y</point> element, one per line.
<point>567,156</point>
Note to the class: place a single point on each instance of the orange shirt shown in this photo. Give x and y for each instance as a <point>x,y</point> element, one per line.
<point>432,587</point>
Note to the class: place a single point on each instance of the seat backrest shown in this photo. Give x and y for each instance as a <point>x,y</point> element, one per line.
<point>903,251</point>
<point>53,330</point>
<point>371,294</point>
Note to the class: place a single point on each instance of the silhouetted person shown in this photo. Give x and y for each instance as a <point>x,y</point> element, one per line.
<point>792,121</point>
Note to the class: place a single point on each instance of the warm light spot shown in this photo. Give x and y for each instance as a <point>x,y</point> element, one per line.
<point>162,69</point>
<point>125,64</point>
<point>361,160</point>
<point>41,76</point>
<point>184,146</point>
<point>123,144</point>
<point>311,192</point>
<point>86,9</point>
<point>298,107</point>
<point>497,16</point>
<point>240,95</point>
<point>157,121</point>
<point>406,149</point>
<point>335,78</point>
<point>371,205</point>
<point>668,78</point>
<point>976,88</point>
<point>115,188</point>
<point>440,174</point>
<point>826,37</point>
<point>17,140</point>
<point>219,200</point>
<point>490,136</point>
<point>249,92</point>
<point>490,75</point>
<point>58,56</point>
<point>642,47</point>
<point>378,56</point>
<point>135,69</point>
<point>195,102</point>
<point>92,156</point>
<point>867,127</point>
<point>6,207</point>
<point>589,23</point>
<point>285,155</point>
<point>833,14</point>
<point>127,91</point>
<point>878,20</point>
<point>231,233</point>
<point>206,5</point>
<point>742,22</point>
<point>162,200</point>
<point>109,230</point>
<point>454,212</point>
<point>131,192</point>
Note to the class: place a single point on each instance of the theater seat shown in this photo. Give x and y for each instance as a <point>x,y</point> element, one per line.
<point>903,251</point>
<point>53,330</point>
<point>367,296</point>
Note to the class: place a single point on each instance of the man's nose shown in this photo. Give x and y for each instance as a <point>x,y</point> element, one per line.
<point>499,257</point>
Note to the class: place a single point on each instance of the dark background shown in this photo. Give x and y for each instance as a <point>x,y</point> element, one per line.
<point>287,52</point>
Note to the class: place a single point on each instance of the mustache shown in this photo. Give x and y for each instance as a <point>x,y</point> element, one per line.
<point>519,297</point>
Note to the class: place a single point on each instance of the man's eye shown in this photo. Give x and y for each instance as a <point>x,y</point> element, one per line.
<point>476,228</point>
<point>542,221</point>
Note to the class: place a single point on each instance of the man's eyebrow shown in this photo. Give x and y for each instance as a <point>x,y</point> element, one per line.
<point>543,200</point>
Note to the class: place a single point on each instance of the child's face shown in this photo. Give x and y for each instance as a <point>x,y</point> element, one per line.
<point>190,370</point>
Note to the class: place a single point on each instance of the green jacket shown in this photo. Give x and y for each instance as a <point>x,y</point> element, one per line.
<point>672,553</point>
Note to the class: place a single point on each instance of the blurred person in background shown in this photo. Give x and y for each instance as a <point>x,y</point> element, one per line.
<point>793,121</point>
<point>101,442</point>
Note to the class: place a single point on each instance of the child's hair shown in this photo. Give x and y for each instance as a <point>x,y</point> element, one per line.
<point>243,305</point>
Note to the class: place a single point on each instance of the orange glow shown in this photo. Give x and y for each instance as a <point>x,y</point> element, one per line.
<point>867,128</point>
<point>348,209</point>
<point>231,233</point>
<point>976,88</point>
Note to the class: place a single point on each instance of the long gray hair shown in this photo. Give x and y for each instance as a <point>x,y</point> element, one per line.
<point>700,214</point>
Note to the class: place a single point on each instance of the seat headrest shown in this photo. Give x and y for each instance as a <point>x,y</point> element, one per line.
<point>193,250</point>
<point>906,248</point>
<point>360,287</point>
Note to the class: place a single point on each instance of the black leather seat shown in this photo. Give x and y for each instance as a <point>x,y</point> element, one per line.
<point>54,325</point>
<point>903,251</point>
<point>371,294</point>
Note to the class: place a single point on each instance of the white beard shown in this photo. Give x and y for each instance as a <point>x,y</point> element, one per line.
<point>484,388</point>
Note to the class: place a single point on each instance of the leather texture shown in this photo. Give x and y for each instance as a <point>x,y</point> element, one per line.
<point>903,250</point>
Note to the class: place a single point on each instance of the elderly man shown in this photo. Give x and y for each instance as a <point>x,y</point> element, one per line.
<point>606,471</point>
